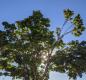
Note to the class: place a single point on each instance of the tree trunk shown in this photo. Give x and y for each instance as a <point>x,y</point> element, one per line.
<point>26,74</point>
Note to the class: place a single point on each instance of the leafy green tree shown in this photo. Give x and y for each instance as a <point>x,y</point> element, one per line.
<point>71,59</point>
<point>30,50</point>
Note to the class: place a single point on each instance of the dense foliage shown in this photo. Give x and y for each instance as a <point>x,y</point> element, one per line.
<point>71,59</point>
<point>30,50</point>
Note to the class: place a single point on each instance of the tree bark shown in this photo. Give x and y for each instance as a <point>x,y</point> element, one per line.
<point>26,73</point>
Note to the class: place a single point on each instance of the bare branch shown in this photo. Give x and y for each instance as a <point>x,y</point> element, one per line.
<point>66,33</point>
<point>64,24</point>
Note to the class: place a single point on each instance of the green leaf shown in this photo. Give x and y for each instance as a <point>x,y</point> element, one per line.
<point>68,14</point>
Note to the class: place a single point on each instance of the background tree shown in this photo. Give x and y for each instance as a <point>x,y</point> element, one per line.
<point>29,49</point>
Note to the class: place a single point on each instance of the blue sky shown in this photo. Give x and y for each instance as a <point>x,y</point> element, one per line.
<point>12,10</point>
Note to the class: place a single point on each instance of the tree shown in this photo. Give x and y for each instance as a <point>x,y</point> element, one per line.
<point>71,59</point>
<point>29,49</point>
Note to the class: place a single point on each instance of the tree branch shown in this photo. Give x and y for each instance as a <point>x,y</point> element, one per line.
<point>66,33</point>
<point>48,60</point>
<point>64,24</point>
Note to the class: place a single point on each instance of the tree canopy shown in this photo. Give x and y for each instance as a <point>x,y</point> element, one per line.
<point>30,50</point>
